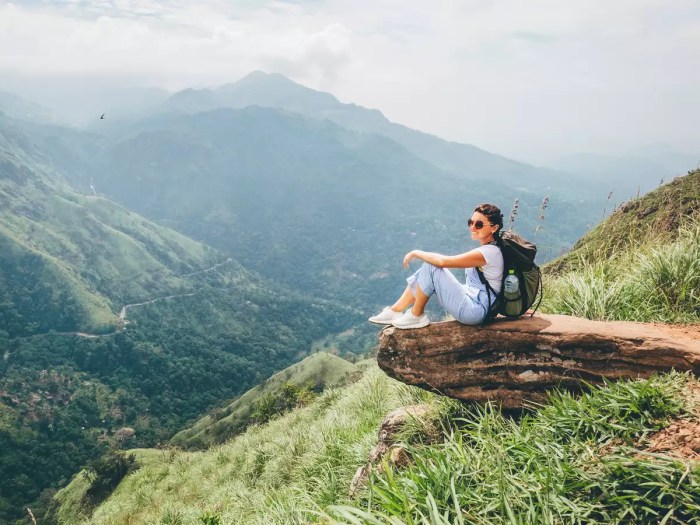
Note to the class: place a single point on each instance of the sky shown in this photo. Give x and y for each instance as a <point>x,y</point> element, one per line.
<point>531,80</point>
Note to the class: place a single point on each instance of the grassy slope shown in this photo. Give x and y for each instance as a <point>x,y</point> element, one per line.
<point>641,264</point>
<point>655,217</point>
<point>314,449</point>
<point>302,463</point>
<point>80,249</point>
<point>322,370</point>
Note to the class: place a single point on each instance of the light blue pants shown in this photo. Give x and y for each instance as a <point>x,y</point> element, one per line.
<point>451,294</point>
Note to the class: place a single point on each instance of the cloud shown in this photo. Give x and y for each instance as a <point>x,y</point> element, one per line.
<point>514,77</point>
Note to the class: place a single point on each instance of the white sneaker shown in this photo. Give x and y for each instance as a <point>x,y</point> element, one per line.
<point>386,316</point>
<point>408,320</point>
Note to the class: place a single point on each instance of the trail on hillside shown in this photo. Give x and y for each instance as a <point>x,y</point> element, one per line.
<point>126,307</point>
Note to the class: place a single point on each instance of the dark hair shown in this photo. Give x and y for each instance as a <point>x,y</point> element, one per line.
<point>494,215</point>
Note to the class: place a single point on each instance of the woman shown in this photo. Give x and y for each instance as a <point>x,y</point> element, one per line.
<point>468,303</point>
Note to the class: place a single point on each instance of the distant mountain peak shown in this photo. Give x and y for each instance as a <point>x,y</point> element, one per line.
<point>258,76</point>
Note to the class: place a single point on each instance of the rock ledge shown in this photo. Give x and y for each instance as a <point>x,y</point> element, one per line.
<point>515,361</point>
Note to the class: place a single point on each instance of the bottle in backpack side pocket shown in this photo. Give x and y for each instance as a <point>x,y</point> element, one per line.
<point>513,300</point>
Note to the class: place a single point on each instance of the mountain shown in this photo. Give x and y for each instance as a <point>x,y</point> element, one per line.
<point>276,91</point>
<point>109,322</point>
<point>305,202</point>
<point>16,107</point>
<point>69,261</point>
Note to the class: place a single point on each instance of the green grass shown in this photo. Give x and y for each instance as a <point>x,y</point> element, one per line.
<point>323,370</point>
<point>653,218</point>
<point>270,474</point>
<point>572,461</point>
<point>649,282</point>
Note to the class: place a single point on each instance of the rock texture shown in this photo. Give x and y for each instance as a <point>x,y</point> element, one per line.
<point>386,446</point>
<point>514,361</point>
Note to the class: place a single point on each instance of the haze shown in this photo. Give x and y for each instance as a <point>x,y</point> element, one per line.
<point>529,80</point>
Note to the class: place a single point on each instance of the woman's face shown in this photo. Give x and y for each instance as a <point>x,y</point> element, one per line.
<point>485,233</point>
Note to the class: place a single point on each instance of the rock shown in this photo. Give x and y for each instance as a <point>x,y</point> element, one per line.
<point>124,433</point>
<point>393,423</point>
<point>516,361</point>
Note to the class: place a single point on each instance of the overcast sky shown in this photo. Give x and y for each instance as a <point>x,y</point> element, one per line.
<point>527,79</point>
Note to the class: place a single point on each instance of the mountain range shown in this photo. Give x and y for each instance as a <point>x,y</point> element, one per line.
<point>152,267</point>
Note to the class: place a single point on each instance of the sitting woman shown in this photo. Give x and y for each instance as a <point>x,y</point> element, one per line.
<point>468,303</point>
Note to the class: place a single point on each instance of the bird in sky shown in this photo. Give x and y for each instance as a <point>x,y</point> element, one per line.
<point>103,116</point>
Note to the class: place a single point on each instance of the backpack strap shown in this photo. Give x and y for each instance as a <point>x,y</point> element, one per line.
<point>489,289</point>
<point>539,300</point>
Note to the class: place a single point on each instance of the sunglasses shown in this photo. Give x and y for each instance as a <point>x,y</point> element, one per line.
<point>477,224</point>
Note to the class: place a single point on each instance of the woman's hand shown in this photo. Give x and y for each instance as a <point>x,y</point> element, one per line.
<point>408,258</point>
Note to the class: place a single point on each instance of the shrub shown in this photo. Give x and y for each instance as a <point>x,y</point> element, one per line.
<point>106,472</point>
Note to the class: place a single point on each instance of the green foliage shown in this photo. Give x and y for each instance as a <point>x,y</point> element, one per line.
<point>291,396</point>
<point>210,518</point>
<point>561,464</point>
<point>649,282</point>
<point>105,474</point>
<point>322,370</point>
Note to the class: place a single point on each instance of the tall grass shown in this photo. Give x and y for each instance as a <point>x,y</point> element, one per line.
<point>276,473</point>
<point>569,462</point>
<point>648,283</point>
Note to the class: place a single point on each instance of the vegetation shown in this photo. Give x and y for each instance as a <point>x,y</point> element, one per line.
<point>105,473</point>
<point>574,460</point>
<point>73,372</point>
<point>632,268</point>
<point>653,219</point>
<point>294,385</point>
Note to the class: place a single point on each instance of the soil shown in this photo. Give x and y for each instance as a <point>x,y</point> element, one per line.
<point>682,437</point>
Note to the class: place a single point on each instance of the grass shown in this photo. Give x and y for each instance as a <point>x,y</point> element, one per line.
<point>572,461</point>
<point>649,282</point>
<point>218,426</point>
<point>653,218</point>
<point>270,474</point>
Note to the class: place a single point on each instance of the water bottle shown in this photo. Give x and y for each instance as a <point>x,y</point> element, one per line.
<point>511,293</point>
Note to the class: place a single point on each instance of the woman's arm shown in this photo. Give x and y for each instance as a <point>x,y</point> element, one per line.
<point>465,260</point>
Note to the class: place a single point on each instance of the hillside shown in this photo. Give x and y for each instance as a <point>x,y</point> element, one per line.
<point>319,371</point>
<point>642,263</point>
<point>306,202</point>
<point>654,217</point>
<point>616,454</point>
<point>276,91</point>
<point>69,262</point>
<point>298,468</point>
<point>109,321</point>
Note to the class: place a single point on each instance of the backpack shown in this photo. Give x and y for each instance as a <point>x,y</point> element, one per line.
<point>518,257</point>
